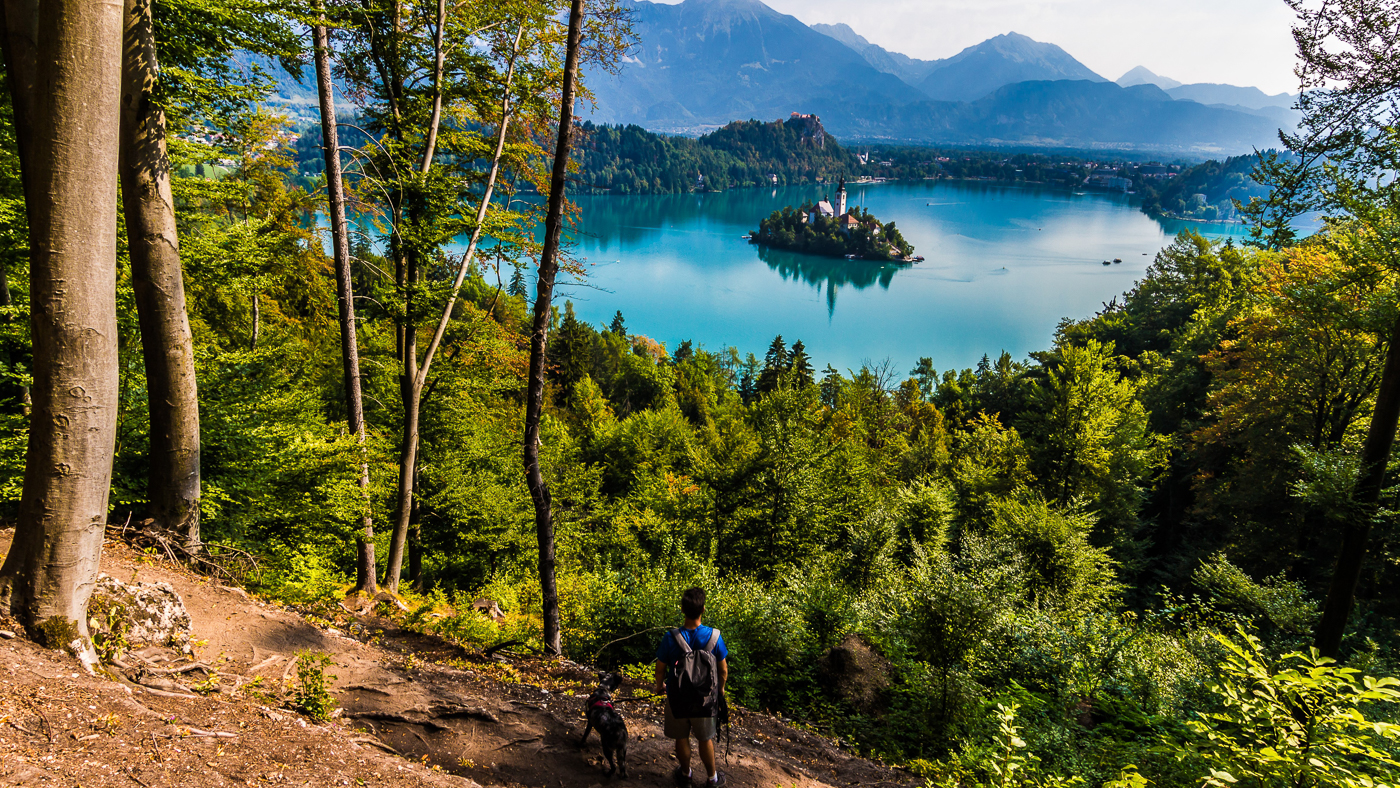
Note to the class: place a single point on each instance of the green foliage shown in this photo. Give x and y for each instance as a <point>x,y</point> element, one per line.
<point>311,691</point>
<point>1302,721</point>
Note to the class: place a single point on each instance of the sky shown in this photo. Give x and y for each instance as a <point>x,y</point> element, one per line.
<point>1239,42</point>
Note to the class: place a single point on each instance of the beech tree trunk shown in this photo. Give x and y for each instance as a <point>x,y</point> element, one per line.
<point>158,283</point>
<point>412,395</point>
<point>64,60</point>
<point>539,335</point>
<point>365,571</point>
<point>1380,438</point>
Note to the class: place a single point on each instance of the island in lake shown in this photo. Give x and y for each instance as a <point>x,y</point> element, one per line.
<point>832,231</point>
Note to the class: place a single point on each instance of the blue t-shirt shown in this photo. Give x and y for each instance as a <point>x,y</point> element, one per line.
<point>669,652</point>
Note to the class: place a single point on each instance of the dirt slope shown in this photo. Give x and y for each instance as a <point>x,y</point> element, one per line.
<point>415,710</point>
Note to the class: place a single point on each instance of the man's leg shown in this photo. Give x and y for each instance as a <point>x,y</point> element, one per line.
<point>707,756</point>
<point>683,753</point>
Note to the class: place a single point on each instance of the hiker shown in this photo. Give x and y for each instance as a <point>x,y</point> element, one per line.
<point>691,669</point>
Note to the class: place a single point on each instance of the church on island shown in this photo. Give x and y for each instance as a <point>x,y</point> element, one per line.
<point>832,231</point>
<point>824,210</point>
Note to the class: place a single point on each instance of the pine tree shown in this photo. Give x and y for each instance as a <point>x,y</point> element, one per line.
<point>800,365</point>
<point>618,326</point>
<point>775,366</point>
<point>517,284</point>
<point>571,350</point>
<point>831,386</point>
<point>684,350</point>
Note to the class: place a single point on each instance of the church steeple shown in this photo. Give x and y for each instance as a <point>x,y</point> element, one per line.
<point>841,197</point>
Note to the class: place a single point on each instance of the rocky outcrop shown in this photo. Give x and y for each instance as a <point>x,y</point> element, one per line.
<point>140,613</point>
<point>856,673</point>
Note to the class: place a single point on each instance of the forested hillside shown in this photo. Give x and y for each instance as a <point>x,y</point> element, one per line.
<point>1219,184</point>
<point>632,160</point>
<point>1130,558</point>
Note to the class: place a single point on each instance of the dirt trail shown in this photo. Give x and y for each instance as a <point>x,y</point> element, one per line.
<point>415,710</point>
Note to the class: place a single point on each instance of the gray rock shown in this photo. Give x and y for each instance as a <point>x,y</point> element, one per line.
<point>153,613</point>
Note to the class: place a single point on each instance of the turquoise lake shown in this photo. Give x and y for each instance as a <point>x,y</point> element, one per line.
<point>1003,265</point>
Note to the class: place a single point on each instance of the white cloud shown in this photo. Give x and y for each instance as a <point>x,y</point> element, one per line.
<point>1241,42</point>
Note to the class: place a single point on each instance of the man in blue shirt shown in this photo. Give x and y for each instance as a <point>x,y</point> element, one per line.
<point>668,653</point>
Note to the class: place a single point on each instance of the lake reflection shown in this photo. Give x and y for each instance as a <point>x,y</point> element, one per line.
<point>828,273</point>
<point>1004,265</point>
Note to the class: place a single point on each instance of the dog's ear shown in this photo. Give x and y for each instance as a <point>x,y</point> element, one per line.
<point>612,681</point>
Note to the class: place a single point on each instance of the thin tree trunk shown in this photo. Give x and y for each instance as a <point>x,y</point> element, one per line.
<point>166,344</point>
<point>411,394</point>
<point>539,335</point>
<point>7,301</point>
<point>366,580</point>
<point>64,61</point>
<point>257,322</point>
<point>412,377</point>
<point>1380,437</point>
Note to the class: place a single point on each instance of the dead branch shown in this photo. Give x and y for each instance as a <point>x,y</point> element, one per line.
<point>517,741</point>
<point>374,743</point>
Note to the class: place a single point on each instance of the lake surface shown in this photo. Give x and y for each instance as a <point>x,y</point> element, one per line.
<point>1003,265</point>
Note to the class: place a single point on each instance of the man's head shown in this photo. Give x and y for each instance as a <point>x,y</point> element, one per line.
<point>693,603</point>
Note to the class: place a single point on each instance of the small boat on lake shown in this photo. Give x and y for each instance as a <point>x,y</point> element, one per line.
<point>1117,259</point>
<point>1105,262</point>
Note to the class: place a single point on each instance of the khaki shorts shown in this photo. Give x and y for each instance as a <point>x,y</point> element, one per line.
<point>702,727</point>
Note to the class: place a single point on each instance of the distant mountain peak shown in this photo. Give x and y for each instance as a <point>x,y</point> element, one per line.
<point>842,32</point>
<point>1001,60</point>
<point>1139,75</point>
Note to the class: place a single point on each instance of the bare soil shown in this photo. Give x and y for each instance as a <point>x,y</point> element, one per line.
<point>414,710</point>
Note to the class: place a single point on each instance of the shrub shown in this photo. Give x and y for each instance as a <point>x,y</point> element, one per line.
<point>311,693</point>
<point>1301,722</point>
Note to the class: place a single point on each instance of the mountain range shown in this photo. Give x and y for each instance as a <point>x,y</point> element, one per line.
<point>702,63</point>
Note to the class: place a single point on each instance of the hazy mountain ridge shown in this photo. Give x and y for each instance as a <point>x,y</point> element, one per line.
<point>701,63</point>
<point>975,71</point>
<point>1210,93</point>
<point>911,70</point>
<point>1140,75</point>
<point>1003,60</point>
<point>706,62</point>
<point>1066,113</point>
<point>1213,93</point>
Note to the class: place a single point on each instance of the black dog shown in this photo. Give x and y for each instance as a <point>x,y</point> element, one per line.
<point>611,728</point>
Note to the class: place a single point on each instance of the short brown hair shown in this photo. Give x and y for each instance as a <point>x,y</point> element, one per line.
<point>693,602</point>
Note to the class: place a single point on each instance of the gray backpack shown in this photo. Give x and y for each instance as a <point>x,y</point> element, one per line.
<point>692,683</point>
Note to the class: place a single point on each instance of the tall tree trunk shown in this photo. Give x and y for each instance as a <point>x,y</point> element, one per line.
<point>166,345</point>
<point>64,59</point>
<point>411,394</point>
<point>1380,437</point>
<point>365,571</point>
<point>539,335</point>
<point>413,377</point>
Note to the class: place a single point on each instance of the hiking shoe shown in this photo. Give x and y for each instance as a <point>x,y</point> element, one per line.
<point>717,782</point>
<point>681,779</point>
